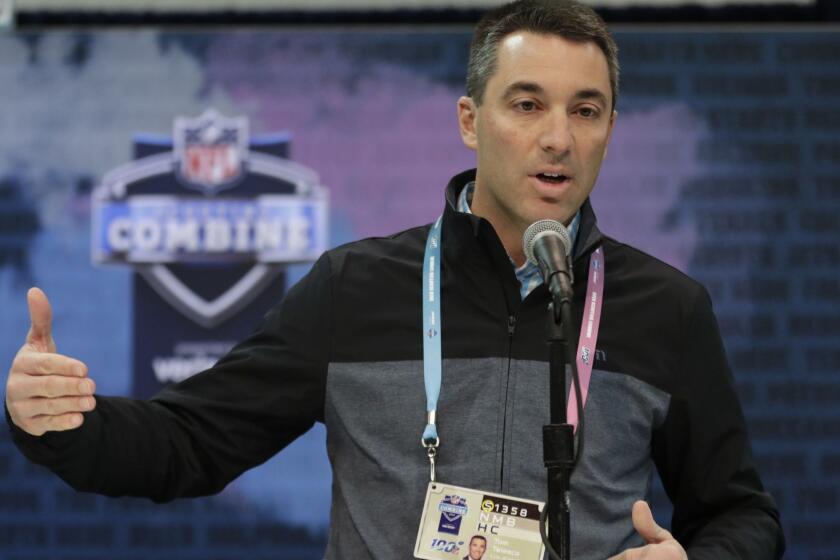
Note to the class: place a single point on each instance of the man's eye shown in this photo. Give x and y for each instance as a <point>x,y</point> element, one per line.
<point>527,106</point>
<point>587,112</point>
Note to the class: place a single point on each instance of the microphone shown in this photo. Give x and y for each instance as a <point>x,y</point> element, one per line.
<point>548,245</point>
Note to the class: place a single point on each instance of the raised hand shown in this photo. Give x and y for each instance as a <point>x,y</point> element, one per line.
<point>46,391</point>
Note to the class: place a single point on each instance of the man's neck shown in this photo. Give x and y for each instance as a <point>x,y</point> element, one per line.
<point>509,232</point>
<point>512,242</point>
<point>509,235</point>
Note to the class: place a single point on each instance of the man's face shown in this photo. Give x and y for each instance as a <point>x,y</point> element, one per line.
<point>477,548</point>
<point>541,132</point>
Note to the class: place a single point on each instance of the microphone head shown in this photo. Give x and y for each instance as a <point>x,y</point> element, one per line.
<point>543,228</point>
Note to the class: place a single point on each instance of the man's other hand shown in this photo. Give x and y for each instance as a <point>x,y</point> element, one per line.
<point>660,544</point>
<point>46,391</point>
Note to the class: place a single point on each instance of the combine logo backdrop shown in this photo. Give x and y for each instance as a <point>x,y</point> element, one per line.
<point>207,218</point>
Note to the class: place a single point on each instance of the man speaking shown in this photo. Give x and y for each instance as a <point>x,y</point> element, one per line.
<point>349,344</point>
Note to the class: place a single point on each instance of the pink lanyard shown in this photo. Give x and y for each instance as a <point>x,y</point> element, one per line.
<point>588,333</point>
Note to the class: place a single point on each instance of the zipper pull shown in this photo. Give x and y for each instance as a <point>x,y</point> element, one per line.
<point>511,325</point>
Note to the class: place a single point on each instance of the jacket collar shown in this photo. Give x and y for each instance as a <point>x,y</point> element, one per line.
<point>458,224</point>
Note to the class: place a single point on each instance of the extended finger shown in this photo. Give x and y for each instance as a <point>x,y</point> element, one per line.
<point>59,423</point>
<point>41,363</point>
<point>32,408</point>
<point>646,526</point>
<point>40,316</point>
<point>23,387</point>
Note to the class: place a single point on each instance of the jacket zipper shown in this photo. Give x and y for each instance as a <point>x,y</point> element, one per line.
<point>511,327</point>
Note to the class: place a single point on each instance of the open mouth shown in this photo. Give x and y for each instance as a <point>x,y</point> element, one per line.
<point>552,178</point>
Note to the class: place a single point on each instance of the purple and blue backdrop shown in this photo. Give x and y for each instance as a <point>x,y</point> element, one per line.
<point>725,162</point>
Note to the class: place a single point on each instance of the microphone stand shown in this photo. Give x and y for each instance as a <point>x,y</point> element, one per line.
<point>558,436</point>
<point>547,243</point>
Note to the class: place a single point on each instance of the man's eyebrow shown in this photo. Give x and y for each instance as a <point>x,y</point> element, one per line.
<point>522,86</point>
<point>592,94</point>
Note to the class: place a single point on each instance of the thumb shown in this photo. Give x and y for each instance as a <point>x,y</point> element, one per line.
<point>646,526</point>
<point>40,316</point>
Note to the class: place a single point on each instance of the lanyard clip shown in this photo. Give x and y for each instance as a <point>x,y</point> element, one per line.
<point>431,441</point>
<point>431,451</point>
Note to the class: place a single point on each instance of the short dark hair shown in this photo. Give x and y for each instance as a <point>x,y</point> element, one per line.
<point>566,18</point>
<point>477,537</point>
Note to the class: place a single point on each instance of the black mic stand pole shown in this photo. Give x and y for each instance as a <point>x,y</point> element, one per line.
<point>558,437</point>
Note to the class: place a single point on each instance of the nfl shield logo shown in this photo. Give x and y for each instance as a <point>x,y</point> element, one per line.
<point>211,150</point>
<point>452,511</point>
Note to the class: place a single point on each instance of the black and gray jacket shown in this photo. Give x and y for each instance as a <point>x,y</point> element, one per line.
<point>344,347</point>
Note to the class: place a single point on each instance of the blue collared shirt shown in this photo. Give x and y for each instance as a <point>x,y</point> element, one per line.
<point>528,274</point>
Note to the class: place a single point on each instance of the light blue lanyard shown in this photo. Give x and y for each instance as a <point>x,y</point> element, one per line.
<point>431,332</point>
<point>431,340</point>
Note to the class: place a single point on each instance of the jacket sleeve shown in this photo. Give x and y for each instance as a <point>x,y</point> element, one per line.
<point>702,452</point>
<point>193,438</point>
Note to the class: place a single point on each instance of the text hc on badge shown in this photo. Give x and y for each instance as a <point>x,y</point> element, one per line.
<point>464,523</point>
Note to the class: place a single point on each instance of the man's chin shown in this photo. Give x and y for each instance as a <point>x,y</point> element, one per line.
<point>545,208</point>
<point>564,218</point>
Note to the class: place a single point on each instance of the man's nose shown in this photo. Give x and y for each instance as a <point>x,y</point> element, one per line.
<point>556,136</point>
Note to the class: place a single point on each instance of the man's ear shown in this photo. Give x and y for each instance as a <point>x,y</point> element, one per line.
<point>467,112</point>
